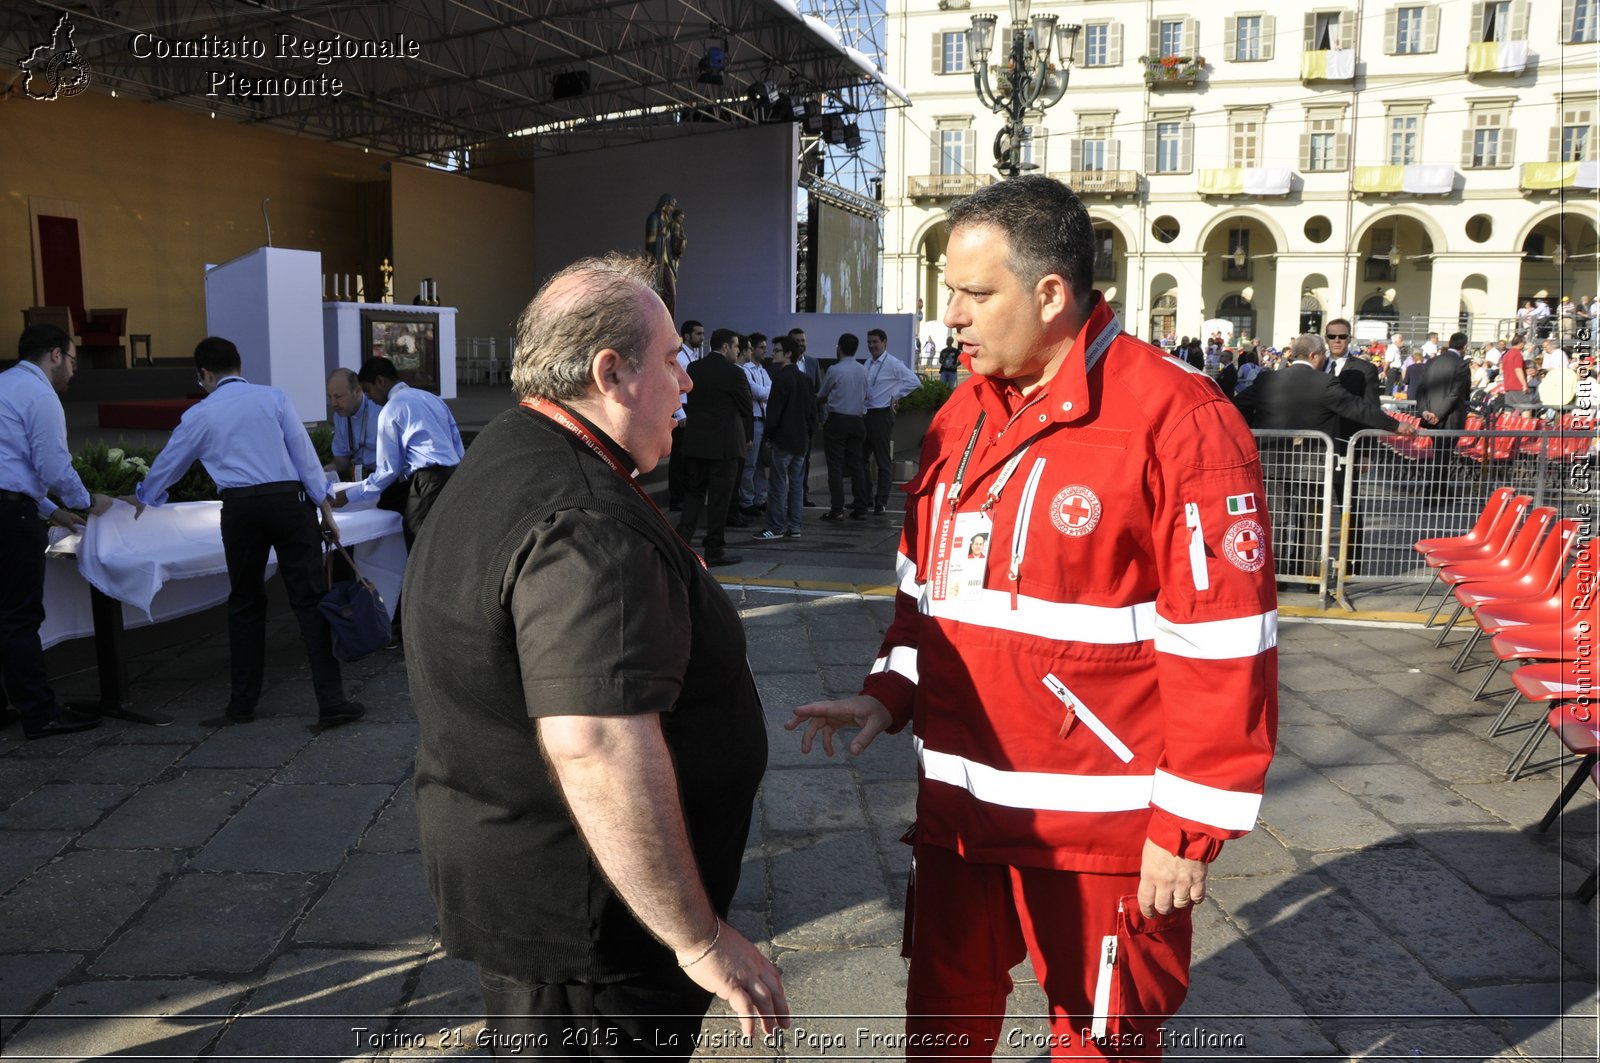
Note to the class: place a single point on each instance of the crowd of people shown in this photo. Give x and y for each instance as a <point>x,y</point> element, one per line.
<point>742,442</point>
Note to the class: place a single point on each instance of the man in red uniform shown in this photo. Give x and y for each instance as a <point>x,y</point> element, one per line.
<point>1093,703</point>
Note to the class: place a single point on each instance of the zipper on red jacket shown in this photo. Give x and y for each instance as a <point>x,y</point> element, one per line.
<point>1019,533</point>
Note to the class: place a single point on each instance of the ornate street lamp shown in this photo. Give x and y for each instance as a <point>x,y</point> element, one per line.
<point>1027,81</point>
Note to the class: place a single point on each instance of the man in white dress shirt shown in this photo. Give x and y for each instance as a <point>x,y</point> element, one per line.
<point>888,381</point>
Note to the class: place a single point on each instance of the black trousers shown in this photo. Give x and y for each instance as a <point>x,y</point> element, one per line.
<point>657,1017</point>
<point>284,521</point>
<point>426,483</point>
<point>879,453</point>
<point>23,540</point>
<point>708,485</point>
<point>675,467</point>
<point>843,436</point>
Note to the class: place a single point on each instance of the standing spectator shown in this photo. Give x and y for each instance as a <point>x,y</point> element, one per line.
<point>844,431</point>
<point>1525,318</point>
<point>1541,317</point>
<point>950,361</point>
<point>591,737</point>
<point>254,445</point>
<point>888,381</point>
<point>34,460</point>
<point>1446,387</point>
<point>1480,371</point>
<point>715,435</point>
<point>791,422</point>
<point>1249,368</point>
<point>691,336</point>
<point>813,373</point>
<point>1430,346</point>
<point>1514,378</point>
<point>1551,357</point>
<point>753,481</point>
<point>1227,374</point>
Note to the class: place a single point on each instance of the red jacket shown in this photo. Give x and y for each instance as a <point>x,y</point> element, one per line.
<point>1115,677</point>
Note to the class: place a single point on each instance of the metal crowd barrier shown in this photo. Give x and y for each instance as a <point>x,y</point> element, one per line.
<point>1400,489</point>
<point>1299,471</point>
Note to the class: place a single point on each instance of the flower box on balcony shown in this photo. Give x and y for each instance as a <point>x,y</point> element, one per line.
<point>1172,69</point>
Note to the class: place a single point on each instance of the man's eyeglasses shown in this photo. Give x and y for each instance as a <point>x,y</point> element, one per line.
<point>1337,335</point>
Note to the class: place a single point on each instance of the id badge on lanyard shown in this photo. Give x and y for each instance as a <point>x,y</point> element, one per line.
<point>962,528</point>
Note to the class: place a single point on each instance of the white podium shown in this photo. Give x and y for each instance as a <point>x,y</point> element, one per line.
<point>266,303</point>
<point>351,331</point>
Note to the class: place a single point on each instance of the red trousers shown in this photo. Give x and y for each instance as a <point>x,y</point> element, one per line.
<point>968,924</point>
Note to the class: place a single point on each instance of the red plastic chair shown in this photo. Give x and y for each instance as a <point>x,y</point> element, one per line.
<point>1515,620</point>
<point>1579,731</point>
<point>1494,545</point>
<point>1545,643</point>
<point>1526,571</point>
<point>1564,680</point>
<point>1472,446</point>
<point>1498,500</point>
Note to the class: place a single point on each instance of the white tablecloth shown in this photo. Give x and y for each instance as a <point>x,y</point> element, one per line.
<point>169,564</point>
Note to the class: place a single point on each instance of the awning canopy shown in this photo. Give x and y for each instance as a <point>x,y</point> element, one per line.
<point>430,79</point>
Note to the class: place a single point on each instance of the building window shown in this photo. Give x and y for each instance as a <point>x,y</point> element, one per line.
<point>1489,142</point>
<point>1171,37</point>
<point>1322,145</point>
<point>1093,154</point>
<point>1236,266</point>
<point>953,52</point>
<point>1105,265</point>
<point>952,151</point>
<point>1032,154</point>
<point>1237,309</point>
<point>1169,143</point>
<point>1245,134</point>
<point>1325,31</point>
<point>1576,136</point>
<point>1585,22</point>
<point>1405,130</point>
<point>1247,38</point>
<point>1497,20</point>
<point>1485,148</point>
<point>1408,31</point>
<point>1378,267</point>
<point>1164,320</point>
<point>1097,44</point>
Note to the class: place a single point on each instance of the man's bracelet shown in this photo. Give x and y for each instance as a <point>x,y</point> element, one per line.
<point>715,937</point>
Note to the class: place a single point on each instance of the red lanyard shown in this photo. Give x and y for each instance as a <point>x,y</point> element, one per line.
<point>575,427</point>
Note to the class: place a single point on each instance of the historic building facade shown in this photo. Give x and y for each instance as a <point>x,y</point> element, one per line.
<point>1279,165</point>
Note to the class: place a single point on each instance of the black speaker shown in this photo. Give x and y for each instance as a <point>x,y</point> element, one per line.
<point>569,83</point>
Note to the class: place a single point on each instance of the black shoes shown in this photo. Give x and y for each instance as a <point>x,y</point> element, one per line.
<point>350,710</point>
<point>722,560</point>
<point>834,515</point>
<point>61,722</point>
<point>880,509</point>
<point>858,514</point>
<point>230,717</point>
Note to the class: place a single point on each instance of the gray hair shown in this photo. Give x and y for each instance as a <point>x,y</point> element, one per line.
<point>347,377</point>
<point>590,306</point>
<point>1307,346</point>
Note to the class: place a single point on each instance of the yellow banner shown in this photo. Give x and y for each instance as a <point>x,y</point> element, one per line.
<point>1313,65</point>
<point>1483,57</point>
<point>1379,178</point>
<point>1224,182</point>
<point>1541,175</point>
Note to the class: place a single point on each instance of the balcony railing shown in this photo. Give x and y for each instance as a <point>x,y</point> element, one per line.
<point>946,185</point>
<point>1100,182</point>
<point>1177,70</point>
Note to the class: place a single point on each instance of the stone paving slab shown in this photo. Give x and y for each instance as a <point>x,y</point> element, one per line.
<point>375,899</point>
<point>1403,795</point>
<point>177,813</point>
<point>324,1004</point>
<point>1550,1020</point>
<point>213,923</point>
<point>165,1018</point>
<point>1501,863</point>
<point>80,900</point>
<point>124,762</point>
<point>64,805</point>
<point>1307,811</point>
<point>25,851</point>
<point>811,799</point>
<point>446,1006</point>
<point>842,908</point>
<point>266,743</point>
<point>25,980</point>
<point>293,828</point>
<point>396,828</point>
<point>355,753</point>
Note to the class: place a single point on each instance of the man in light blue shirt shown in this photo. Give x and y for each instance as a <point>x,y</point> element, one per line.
<point>254,445</point>
<point>355,427</point>
<point>843,396</point>
<point>888,381</point>
<point>417,441</point>
<point>34,460</point>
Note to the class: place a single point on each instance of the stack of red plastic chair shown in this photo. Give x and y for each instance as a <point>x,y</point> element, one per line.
<point>1538,577</point>
<point>1509,565</point>
<point>1493,541</point>
<point>1472,446</point>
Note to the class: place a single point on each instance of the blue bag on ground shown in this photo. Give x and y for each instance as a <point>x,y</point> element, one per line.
<point>356,613</point>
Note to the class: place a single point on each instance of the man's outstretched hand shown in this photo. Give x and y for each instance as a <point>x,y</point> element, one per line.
<point>862,711</point>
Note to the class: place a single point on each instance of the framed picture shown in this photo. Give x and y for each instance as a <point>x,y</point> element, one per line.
<point>410,341</point>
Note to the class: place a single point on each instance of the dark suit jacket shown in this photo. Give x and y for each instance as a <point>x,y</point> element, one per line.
<point>1360,378</point>
<point>811,370</point>
<point>791,411</point>
<point>1445,388</point>
<point>1299,398</point>
<point>718,419</point>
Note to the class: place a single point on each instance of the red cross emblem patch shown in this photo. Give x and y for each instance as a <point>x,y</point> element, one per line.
<point>1075,510</point>
<point>1244,545</point>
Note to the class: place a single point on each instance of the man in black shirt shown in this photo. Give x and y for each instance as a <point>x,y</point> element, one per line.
<point>591,737</point>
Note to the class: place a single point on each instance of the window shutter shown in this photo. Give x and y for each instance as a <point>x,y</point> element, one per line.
<point>1391,31</point>
<point>936,165</point>
<point>1114,45</point>
<point>1555,144</point>
<point>1080,47</point>
<point>1341,151</point>
<point>1269,35</point>
<point>1186,148</point>
<point>1508,145</point>
<point>1310,42</point>
<point>1041,145</point>
<point>1347,29</point>
<point>1152,146</point>
<point>1305,151</point>
<point>969,150</point>
<point>1230,38</point>
<point>1155,38</point>
<point>1519,20</point>
<point>1568,13</point>
<point>1191,34</point>
<point>1113,154</point>
<point>938,53</point>
<point>1475,30</point>
<point>1466,145</point>
<point>1075,154</point>
<point>1430,28</point>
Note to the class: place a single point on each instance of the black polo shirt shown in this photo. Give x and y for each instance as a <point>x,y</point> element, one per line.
<point>543,585</point>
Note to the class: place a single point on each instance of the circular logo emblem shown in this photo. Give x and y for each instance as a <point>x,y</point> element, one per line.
<point>1075,510</point>
<point>1244,545</point>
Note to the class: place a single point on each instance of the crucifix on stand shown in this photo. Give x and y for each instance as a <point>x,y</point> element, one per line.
<point>388,281</point>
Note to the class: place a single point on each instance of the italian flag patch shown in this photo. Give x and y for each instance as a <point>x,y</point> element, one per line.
<point>1238,504</point>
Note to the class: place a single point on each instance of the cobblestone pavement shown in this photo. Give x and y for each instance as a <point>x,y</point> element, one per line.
<point>187,892</point>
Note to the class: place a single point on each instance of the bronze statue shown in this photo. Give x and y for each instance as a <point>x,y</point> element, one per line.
<point>658,245</point>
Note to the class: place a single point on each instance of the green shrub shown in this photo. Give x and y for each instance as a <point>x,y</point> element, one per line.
<point>930,396</point>
<point>117,470</point>
<point>322,439</point>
